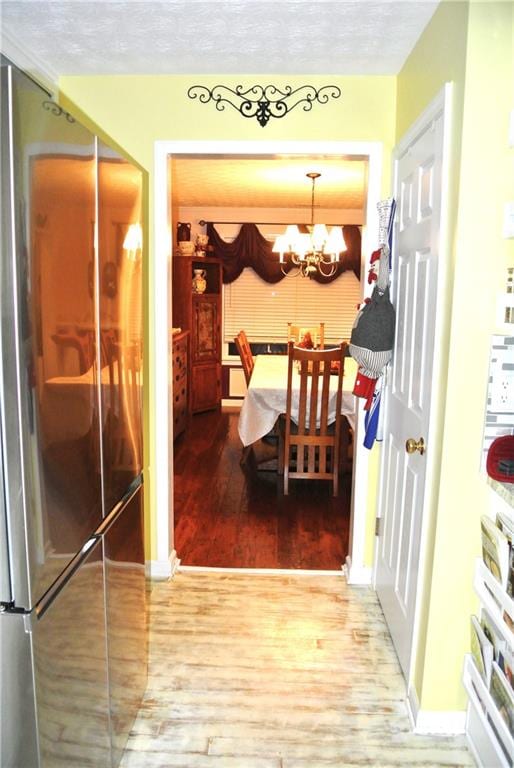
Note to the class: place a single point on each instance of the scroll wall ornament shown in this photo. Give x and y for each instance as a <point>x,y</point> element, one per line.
<point>264,102</point>
<point>56,110</point>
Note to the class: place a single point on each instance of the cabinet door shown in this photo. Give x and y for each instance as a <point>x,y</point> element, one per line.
<point>206,386</point>
<point>206,329</point>
<point>180,385</point>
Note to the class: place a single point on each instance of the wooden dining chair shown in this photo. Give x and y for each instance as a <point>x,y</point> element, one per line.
<point>245,353</point>
<point>310,446</point>
<point>83,343</point>
<point>122,409</point>
<point>297,332</point>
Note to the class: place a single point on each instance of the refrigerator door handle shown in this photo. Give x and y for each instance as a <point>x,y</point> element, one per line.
<point>131,491</point>
<point>52,592</point>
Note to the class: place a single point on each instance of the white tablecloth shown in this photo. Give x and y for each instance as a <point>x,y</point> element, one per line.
<point>267,394</point>
<point>69,401</point>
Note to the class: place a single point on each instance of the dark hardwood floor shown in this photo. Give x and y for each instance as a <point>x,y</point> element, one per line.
<point>238,517</point>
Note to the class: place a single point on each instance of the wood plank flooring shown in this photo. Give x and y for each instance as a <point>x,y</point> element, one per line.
<point>232,516</point>
<point>275,671</point>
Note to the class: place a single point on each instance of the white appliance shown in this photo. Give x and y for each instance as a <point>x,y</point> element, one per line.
<point>73,659</point>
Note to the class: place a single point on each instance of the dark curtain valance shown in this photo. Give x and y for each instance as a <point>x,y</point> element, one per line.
<point>251,249</point>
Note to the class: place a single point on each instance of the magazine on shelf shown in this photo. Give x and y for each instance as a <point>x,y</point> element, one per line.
<point>510,575</point>
<point>509,621</point>
<point>505,523</point>
<point>492,633</point>
<point>506,664</point>
<point>482,650</point>
<point>495,550</point>
<point>503,696</point>
<point>503,654</point>
<point>505,520</point>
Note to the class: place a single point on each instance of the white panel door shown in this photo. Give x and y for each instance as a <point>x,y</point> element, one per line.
<point>418,178</point>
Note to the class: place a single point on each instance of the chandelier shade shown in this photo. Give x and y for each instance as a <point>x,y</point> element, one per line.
<point>318,250</point>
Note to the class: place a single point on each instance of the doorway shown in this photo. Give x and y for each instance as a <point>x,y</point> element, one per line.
<point>359,570</point>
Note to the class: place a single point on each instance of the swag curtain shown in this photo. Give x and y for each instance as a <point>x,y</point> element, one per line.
<point>251,249</point>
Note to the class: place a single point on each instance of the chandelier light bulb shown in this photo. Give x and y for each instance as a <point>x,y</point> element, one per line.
<point>335,242</point>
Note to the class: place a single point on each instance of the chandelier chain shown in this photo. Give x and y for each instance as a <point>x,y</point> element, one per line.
<point>312,202</point>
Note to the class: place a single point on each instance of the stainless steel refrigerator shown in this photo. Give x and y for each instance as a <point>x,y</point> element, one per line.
<point>72,583</point>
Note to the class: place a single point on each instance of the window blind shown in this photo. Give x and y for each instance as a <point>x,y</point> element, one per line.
<point>263,309</point>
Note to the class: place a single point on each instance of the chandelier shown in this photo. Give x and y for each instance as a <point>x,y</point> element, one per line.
<point>317,250</point>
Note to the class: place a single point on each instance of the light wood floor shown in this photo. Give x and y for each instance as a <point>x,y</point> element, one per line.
<point>274,671</point>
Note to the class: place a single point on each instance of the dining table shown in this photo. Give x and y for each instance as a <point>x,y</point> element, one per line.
<point>266,397</point>
<point>68,402</point>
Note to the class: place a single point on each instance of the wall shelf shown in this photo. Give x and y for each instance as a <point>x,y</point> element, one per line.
<point>488,734</point>
<point>484,578</point>
<point>482,711</point>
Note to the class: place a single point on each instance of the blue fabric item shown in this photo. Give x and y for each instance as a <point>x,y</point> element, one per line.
<point>372,418</point>
<point>371,421</point>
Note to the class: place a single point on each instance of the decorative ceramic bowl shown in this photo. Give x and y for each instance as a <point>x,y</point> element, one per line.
<point>186,247</point>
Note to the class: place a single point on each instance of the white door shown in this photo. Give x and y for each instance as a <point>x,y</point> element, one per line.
<point>419,182</point>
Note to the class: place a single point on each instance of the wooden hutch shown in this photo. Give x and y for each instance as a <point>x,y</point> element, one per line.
<point>181,379</point>
<point>200,313</point>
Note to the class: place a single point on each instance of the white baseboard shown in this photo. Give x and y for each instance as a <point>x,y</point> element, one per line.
<point>231,404</point>
<point>258,571</point>
<point>162,570</point>
<point>424,722</point>
<point>357,575</point>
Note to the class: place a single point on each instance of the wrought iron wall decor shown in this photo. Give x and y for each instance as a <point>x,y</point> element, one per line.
<point>264,102</point>
<point>56,110</point>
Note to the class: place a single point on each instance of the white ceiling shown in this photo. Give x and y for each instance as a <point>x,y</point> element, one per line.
<point>338,37</point>
<point>277,182</point>
<point>332,37</point>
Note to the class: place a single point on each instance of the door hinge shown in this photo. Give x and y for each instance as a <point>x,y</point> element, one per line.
<point>378,526</point>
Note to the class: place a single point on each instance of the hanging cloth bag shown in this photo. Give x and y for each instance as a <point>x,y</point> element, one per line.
<point>372,337</point>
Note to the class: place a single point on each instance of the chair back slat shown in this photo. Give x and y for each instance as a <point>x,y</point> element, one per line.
<point>245,353</point>
<point>311,443</point>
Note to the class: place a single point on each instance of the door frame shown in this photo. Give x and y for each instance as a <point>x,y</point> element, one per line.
<point>442,103</point>
<point>357,571</point>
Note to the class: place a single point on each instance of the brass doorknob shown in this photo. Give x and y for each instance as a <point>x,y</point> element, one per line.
<point>411,446</point>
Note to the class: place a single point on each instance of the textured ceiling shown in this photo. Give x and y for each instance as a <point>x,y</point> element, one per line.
<point>347,37</point>
<point>269,183</point>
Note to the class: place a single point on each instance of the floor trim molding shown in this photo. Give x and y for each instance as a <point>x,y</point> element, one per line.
<point>231,404</point>
<point>357,575</point>
<point>162,570</point>
<point>25,60</point>
<point>259,571</point>
<point>426,722</point>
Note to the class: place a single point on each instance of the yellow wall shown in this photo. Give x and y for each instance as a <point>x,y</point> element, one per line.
<point>471,46</point>
<point>139,110</point>
<point>481,256</point>
<point>438,57</point>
